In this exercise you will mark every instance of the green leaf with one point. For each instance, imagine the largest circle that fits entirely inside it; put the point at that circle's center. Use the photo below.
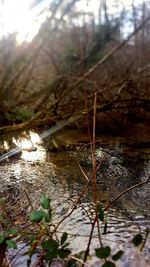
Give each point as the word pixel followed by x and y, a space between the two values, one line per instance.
pixel 71 263
pixel 137 240
pixel 11 243
pixel 2 238
pixel 105 228
pixel 64 238
pixel 50 245
pixel 65 245
pixel 47 217
pixel 50 255
pixel 37 216
pixel 102 252
pixel 51 248
pixel 45 202
pixel 118 255
pixel 108 264
pixel 12 232
pixel 100 212
pixel 63 253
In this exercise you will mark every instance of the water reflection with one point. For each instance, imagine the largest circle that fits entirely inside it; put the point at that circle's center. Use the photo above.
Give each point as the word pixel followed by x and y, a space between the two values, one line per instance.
pixel 6 145
pixel 28 141
pixel 25 143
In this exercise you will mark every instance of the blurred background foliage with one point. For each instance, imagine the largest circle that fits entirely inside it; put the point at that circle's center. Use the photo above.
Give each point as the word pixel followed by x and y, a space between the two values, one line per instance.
pixel 40 64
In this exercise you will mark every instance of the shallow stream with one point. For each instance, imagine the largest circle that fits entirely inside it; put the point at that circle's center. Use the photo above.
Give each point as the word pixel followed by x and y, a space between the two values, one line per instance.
pixel 121 163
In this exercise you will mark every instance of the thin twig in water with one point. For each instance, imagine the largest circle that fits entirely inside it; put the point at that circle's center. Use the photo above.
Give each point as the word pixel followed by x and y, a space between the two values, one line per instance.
pixel 75 206
pixel 28 199
pixel 125 191
pixel 13 258
pixel 89 242
pixel 84 174
pixel 79 260
pixel 94 182
pixel 99 231
pixel 96 237
pixel 145 239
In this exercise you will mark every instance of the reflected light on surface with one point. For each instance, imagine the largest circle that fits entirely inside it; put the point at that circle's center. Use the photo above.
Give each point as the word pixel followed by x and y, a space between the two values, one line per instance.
pixel 31 147
pixel 23 144
pixel 29 142
pixel 16 142
pixel 35 139
pixel 38 155
pixel 6 146
pixel 26 144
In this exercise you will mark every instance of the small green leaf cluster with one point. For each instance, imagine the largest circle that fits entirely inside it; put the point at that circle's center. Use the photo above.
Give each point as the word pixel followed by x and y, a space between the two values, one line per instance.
pixel 51 248
pixel 54 249
pixel 7 238
pixel 45 213
pixel 105 252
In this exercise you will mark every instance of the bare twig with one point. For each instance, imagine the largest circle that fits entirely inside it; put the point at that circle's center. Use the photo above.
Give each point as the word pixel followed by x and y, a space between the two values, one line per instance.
pixel 74 207
pixel 79 260
pixel 14 256
pixel 28 199
pixel 94 185
pixel 125 191
pixel 84 174
pixel 94 150
pixel 89 242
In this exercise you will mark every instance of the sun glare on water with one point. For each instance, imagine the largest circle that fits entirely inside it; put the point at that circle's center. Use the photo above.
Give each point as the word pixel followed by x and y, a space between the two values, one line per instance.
pixel 29 142
pixel 31 149
pixel 24 144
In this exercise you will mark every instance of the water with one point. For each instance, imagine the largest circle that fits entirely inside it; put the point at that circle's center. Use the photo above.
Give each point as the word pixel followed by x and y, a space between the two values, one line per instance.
pixel 59 176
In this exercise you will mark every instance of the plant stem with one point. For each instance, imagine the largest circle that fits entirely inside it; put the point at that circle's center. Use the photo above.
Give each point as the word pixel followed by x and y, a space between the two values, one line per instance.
pixel 89 242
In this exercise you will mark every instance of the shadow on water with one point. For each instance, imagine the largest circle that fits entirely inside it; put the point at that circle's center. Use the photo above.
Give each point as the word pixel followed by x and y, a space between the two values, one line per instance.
pixel 57 173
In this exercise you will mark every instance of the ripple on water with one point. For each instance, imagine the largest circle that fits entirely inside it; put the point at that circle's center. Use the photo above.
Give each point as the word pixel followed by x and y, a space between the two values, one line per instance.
pixel 58 176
